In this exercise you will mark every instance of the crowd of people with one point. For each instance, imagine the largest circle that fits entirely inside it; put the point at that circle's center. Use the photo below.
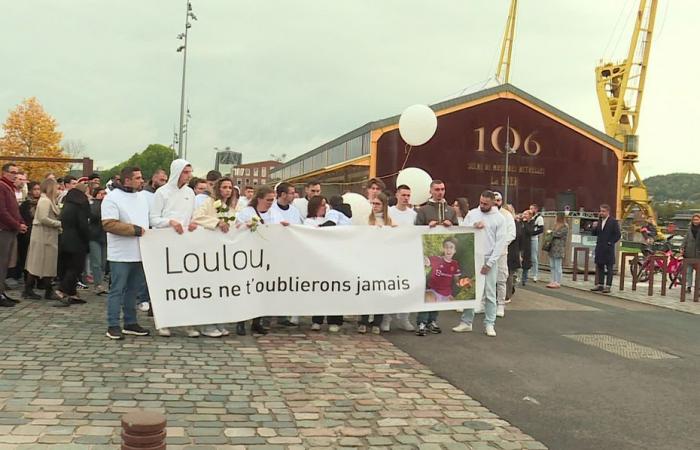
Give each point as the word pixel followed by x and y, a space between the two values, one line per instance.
pixel 62 235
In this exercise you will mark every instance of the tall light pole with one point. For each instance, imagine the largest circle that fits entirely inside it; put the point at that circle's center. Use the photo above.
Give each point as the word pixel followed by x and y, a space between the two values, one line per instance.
pixel 183 48
pixel 508 152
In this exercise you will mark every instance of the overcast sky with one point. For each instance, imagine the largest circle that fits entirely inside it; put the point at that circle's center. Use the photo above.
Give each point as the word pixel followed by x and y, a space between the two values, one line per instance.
pixel 284 76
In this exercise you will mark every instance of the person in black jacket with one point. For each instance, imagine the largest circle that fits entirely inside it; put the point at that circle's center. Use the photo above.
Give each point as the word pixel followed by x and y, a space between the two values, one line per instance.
pixel 514 262
pixel 26 210
pixel 74 242
pixel 608 233
pixel 526 242
pixel 98 241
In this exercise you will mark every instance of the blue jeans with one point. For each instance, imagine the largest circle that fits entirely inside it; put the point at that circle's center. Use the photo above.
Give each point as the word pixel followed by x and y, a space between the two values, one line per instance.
pixel 556 269
pixel 425 317
pixel 98 261
pixel 128 281
pixel 489 300
pixel 535 256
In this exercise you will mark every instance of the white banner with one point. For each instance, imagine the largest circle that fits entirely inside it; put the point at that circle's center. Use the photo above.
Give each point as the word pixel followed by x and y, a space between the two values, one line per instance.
pixel 205 277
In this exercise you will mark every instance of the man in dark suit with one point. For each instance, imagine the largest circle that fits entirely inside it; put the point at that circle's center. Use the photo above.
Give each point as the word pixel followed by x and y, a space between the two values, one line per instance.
pixel 608 233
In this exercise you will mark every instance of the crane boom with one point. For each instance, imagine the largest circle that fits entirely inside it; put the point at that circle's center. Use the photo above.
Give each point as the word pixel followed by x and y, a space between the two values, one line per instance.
pixel 620 88
pixel 503 72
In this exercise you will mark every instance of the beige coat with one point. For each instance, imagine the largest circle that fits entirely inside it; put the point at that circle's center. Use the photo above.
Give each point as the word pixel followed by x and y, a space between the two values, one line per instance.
pixel 207 216
pixel 42 256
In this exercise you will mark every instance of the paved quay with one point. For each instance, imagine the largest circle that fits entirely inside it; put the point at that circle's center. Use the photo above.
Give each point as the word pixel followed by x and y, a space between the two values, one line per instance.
pixel 63 384
pixel 669 301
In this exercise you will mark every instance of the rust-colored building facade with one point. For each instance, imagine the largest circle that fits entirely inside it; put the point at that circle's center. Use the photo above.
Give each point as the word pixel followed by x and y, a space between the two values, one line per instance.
pixel 555 161
pixel 253 174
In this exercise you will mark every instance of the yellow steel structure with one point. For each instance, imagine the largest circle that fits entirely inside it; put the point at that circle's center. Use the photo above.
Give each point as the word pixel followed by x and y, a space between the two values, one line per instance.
pixel 503 71
pixel 620 88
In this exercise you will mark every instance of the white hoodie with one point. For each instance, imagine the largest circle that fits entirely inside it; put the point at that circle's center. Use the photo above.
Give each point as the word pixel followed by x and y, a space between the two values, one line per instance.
pixel 171 202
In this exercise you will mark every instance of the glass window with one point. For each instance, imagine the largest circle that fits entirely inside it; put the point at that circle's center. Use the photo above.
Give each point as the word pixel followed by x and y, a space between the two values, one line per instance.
pixel 255 171
pixel 319 161
pixel 263 171
pixel 247 172
pixel 355 147
pixel 336 154
pixel 365 144
pixel 247 181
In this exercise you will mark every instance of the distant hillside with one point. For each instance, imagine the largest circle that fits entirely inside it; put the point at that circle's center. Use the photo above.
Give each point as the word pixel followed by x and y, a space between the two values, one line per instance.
pixel 674 186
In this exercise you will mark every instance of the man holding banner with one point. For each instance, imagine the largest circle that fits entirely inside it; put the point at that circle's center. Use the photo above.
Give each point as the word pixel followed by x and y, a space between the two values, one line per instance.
pixel 173 206
pixel 490 219
pixel 125 219
pixel 435 212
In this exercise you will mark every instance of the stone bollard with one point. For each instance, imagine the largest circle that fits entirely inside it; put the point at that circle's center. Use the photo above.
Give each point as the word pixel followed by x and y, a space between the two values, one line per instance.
pixel 143 430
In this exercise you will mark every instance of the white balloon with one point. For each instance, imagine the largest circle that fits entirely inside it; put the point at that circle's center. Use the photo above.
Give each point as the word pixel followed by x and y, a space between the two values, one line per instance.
pixel 360 208
pixel 419 181
pixel 417 124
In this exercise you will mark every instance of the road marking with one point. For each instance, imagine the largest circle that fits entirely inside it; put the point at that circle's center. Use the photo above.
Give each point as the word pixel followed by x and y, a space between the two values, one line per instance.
pixel 620 347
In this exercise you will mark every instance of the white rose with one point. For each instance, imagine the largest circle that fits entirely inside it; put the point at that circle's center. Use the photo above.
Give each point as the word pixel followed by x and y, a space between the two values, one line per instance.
pixel 217 204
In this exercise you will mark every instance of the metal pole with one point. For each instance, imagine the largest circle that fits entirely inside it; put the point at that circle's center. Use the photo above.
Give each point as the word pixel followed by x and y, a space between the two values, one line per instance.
pixel 505 188
pixel 182 93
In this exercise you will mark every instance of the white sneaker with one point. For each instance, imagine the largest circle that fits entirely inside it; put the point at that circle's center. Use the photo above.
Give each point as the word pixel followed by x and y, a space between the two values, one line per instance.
pixel 315 327
pixel 191 332
pixel 144 306
pixel 406 325
pixel 223 331
pixel 211 332
pixel 462 328
pixel 501 311
pixel 294 320
pixel 333 328
pixel 165 332
pixel 490 331
pixel 386 323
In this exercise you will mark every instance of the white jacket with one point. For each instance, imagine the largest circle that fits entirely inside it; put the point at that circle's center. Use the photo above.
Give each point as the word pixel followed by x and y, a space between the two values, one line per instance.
pixel 171 202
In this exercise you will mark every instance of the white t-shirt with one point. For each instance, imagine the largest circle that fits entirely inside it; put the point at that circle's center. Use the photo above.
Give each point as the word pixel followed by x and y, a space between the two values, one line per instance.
pixel 338 217
pixel 149 196
pixel 315 221
pixel 127 207
pixel 302 204
pixel 199 200
pixel 269 217
pixel 291 214
pixel 401 218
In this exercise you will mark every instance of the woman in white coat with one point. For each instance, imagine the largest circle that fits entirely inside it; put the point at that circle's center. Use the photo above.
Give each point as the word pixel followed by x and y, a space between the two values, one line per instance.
pixel 218 212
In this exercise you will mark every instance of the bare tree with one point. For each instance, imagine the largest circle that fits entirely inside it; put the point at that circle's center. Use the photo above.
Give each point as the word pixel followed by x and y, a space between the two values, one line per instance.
pixel 75 148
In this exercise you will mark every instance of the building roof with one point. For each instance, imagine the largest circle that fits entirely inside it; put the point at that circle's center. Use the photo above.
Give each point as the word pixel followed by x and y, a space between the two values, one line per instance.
pixel 269 162
pixel 394 120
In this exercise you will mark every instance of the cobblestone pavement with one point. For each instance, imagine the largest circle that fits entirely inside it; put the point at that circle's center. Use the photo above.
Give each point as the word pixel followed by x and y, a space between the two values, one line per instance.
pixel 63 384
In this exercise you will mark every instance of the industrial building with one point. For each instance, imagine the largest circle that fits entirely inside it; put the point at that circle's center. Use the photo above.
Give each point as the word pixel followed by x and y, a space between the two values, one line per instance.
pixel 555 160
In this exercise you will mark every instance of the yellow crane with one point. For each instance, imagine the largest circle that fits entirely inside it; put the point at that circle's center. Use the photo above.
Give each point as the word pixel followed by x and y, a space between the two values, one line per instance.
pixel 620 87
pixel 503 71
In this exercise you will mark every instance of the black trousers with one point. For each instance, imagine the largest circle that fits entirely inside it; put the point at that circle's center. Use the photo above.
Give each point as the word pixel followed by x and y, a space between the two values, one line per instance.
pixel 332 320
pixel 73 266
pixel 376 321
pixel 604 273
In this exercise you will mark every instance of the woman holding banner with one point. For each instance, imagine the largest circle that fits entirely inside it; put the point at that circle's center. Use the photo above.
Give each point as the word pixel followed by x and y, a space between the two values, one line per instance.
pixel 316 217
pixel 259 211
pixel 217 212
pixel 378 217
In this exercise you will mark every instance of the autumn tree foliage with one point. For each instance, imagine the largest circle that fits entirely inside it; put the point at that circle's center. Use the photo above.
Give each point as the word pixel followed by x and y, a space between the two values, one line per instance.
pixel 31 131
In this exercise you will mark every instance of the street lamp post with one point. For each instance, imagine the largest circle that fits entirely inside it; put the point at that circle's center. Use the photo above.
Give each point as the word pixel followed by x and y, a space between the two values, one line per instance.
pixel 509 150
pixel 183 48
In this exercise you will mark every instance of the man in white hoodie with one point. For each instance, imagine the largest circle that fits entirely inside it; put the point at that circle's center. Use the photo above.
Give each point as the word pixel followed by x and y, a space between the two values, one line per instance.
pixel 490 219
pixel 173 205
